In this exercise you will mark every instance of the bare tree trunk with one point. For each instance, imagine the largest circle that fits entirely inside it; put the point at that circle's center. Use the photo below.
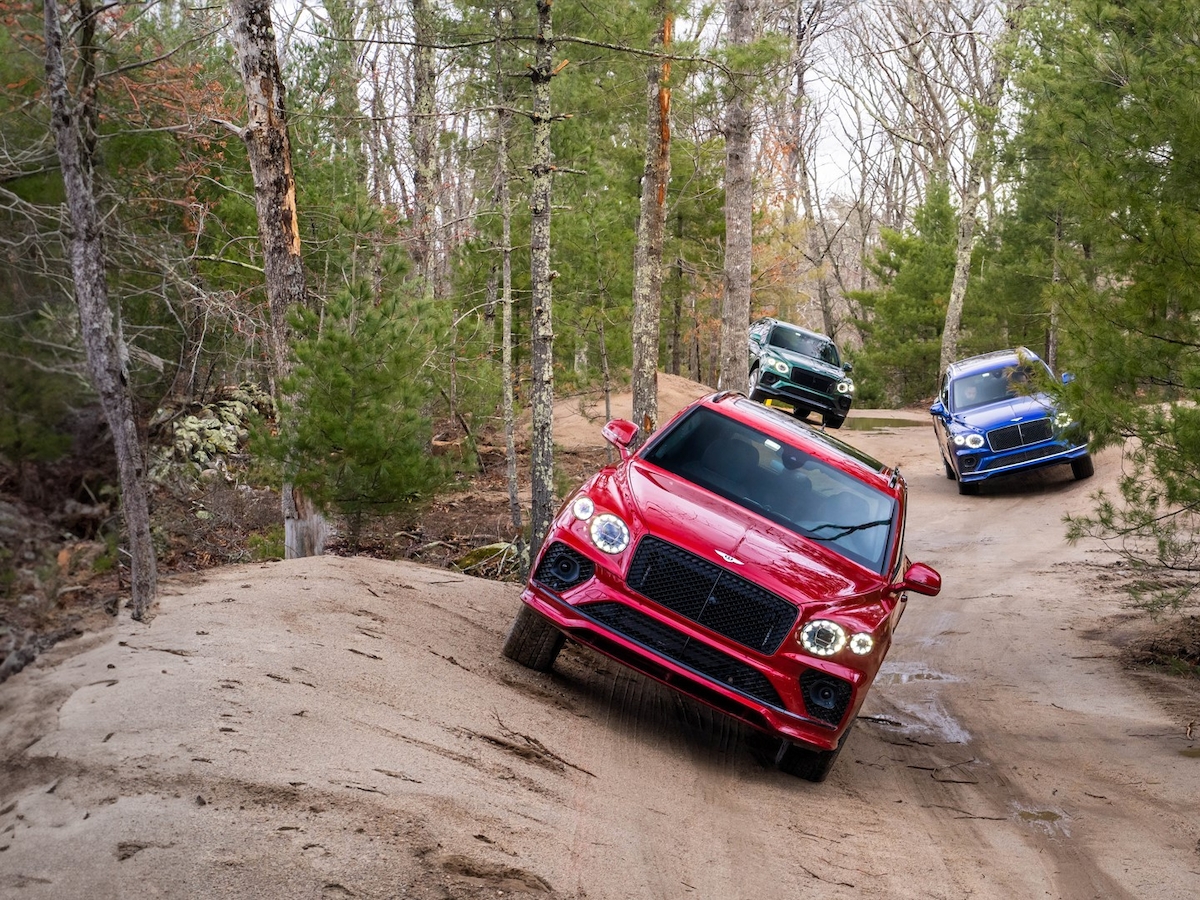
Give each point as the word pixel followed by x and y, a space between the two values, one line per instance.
pixel 424 131
pixel 541 323
pixel 648 254
pixel 981 156
pixel 1055 280
pixel 735 310
pixel 809 18
pixel 107 355
pixel 270 153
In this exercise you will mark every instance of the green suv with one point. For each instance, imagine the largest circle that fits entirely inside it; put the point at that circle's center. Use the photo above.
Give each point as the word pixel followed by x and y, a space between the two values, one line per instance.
pixel 799 368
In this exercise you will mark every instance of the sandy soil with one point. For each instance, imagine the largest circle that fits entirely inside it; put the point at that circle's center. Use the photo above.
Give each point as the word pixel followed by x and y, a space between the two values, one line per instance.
pixel 341 727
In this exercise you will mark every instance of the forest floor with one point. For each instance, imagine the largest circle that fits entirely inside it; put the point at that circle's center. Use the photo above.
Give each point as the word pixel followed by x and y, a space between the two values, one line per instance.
pixel 345 726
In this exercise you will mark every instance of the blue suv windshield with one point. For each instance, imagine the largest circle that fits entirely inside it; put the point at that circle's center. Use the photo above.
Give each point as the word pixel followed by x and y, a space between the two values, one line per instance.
pixel 982 388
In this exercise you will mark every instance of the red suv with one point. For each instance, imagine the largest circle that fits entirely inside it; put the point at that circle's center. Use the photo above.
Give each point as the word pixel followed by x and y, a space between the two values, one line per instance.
pixel 740 557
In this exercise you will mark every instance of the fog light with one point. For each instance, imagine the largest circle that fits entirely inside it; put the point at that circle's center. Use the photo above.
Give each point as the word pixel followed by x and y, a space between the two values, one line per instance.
pixel 565 568
pixel 823 693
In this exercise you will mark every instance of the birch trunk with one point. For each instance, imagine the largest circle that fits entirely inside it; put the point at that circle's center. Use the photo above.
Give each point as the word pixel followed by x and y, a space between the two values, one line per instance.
pixel 648 253
pixel 735 309
pixel 104 343
pixel 424 130
pixel 981 154
pixel 270 154
pixel 541 324
pixel 504 198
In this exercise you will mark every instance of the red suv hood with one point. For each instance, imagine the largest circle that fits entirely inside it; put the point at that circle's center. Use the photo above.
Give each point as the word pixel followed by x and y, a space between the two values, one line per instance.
pixel 770 555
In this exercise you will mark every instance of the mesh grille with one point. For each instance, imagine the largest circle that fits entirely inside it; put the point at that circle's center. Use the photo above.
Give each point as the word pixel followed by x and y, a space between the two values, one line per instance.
pixel 1020 435
pixel 562 568
pixel 803 377
pixel 710 596
pixel 825 697
pixel 1024 456
pixel 679 647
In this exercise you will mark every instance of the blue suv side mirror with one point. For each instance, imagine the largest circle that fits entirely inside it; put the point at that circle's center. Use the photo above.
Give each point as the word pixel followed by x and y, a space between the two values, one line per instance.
pixel 1067 377
pixel 937 409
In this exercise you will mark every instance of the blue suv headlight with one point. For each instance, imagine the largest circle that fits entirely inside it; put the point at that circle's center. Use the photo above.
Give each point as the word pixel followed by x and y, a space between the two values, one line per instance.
pixel 972 440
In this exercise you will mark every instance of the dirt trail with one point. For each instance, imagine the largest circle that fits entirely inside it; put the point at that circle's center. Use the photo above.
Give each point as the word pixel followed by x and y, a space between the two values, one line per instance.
pixel 347 728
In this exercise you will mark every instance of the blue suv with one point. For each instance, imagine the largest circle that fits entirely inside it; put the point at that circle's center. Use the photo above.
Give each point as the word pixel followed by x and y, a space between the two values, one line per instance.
pixel 991 419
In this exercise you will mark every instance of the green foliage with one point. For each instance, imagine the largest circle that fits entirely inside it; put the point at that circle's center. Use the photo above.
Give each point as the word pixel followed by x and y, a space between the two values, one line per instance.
pixel 902 329
pixel 267 546
pixel 354 433
pixel 1113 93
pixel 33 410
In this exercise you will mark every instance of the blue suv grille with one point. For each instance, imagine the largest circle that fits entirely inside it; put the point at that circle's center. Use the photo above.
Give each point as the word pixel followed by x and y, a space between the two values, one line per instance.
pixel 1020 435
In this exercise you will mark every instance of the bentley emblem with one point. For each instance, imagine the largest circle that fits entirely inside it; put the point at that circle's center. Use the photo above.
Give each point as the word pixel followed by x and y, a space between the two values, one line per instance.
pixel 730 559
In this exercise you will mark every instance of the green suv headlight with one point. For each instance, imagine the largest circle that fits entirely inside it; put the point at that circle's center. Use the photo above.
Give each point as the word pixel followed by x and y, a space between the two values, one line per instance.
pixel 779 366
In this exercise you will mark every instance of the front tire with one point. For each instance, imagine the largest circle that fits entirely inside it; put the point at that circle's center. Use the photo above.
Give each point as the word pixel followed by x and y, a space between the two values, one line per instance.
pixel 833 421
pixel 532 641
pixel 811 765
pixel 949 469
pixel 968 488
pixel 1083 467
pixel 755 394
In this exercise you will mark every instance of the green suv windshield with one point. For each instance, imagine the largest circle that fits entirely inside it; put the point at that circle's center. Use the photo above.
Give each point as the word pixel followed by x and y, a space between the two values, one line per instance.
pixel 807 344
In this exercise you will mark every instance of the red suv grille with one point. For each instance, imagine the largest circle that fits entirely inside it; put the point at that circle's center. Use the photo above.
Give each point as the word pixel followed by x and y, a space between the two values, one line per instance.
pixel 711 596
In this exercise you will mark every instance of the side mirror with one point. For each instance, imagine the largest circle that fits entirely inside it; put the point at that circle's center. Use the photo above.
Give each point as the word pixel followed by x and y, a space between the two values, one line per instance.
pixel 848 368
pixel 1067 377
pixel 920 579
pixel 620 433
pixel 938 409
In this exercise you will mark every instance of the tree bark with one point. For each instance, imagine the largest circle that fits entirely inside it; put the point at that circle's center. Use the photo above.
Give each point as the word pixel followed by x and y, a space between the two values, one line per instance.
pixel 270 154
pixel 104 343
pixel 648 253
pixel 541 324
pixel 504 200
pixel 735 309
pixel 981 157
pixel 424 143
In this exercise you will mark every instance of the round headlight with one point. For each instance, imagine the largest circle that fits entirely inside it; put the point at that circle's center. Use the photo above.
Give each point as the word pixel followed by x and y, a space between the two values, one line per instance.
pixel 1062 419
pixel 820 637
pixel 861 644
pixel 959 440
pixel 609 533
pixel 845 387
pixel 779 366
pixel 582 508
pixel 974 441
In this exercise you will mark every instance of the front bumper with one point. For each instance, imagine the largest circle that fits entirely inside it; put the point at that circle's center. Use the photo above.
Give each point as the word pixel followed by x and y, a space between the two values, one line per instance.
pixel 765 692
pixel 980 465
pixel 777 387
